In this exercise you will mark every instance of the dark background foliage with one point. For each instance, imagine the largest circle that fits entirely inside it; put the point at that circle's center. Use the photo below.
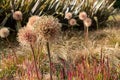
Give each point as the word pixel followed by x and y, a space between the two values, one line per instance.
pixel 117 4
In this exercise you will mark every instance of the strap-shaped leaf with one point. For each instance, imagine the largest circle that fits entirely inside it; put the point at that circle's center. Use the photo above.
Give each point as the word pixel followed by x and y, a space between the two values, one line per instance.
pixel 111 5
pixel 39 5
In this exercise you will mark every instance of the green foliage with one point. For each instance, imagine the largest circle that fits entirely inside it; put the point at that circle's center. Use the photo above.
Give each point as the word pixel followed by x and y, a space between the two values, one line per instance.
pixel 99 77
pixel 99 9
pixel 8 72
pixel 117 4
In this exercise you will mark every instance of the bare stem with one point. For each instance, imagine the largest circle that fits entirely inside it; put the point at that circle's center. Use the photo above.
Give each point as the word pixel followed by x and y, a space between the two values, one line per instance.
pixel 87 34
pixel 18 25
pixel 48 49
pixel 35 63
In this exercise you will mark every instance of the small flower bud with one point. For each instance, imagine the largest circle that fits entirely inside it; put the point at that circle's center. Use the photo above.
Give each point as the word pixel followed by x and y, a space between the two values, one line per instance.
pixel 82 15
pixel 4 32
pixel 17 15
pixel 72 22
pixel 87 22
pixel 68 15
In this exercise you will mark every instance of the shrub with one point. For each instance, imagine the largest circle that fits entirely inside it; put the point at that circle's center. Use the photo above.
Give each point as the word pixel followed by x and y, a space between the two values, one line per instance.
pixel 98 11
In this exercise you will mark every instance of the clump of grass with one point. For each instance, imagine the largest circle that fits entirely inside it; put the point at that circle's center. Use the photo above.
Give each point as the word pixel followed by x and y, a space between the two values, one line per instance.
pixel 8 67
pixel 4 33
pixel 96 70
pixel 95 65
pixel 113 36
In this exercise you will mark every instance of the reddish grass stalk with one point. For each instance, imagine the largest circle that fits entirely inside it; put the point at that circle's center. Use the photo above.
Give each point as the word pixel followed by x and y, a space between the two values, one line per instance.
pixel 61 74
pixel 50 67
pixel 108 66
pixel 102 64
pixel 70 75
pixel 100 70
pixel 35 62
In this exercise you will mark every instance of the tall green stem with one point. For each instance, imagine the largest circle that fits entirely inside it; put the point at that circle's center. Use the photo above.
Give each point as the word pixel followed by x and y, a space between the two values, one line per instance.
pixel 87 29
pixel 85 32
pixel 35 63
pixel 48 49
pixel 18 25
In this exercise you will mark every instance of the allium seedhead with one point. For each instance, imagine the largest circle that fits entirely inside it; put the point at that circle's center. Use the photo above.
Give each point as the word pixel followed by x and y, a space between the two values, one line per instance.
pixel 87 22
pixel 72 22
pixel 4 32
pixel 82 15
pixel 68 15
pixel 26 36
pixel 48 27
pixel 32 20
pixel 17 15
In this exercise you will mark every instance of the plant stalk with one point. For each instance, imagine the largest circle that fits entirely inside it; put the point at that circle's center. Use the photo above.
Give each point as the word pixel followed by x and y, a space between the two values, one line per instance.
pixel 50 68
pixel 86 32
pixel 35 63
pixel 18 25
pixel 87 29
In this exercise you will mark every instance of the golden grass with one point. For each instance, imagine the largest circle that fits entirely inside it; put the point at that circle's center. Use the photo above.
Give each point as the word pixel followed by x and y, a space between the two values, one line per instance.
pixel 73 45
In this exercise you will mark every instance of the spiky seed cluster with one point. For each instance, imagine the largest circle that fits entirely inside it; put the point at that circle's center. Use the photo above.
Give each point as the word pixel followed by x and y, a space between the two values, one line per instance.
pixel 4 32
pixel 17 15
pixel 68 15
pixel 82 15
pixel 87 22
pixel 32 20
pixel 48 27
pixel 72 22
pixel 26 36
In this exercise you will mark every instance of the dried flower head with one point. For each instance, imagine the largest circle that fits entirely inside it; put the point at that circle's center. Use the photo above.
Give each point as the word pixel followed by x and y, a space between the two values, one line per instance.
pixel 82 15
pixel 68 15
pixel 32 20
pixel 48 27
pixel 72 22
pixel 17 15
pixel 26 36
pixel 87 22
pixel 4 32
